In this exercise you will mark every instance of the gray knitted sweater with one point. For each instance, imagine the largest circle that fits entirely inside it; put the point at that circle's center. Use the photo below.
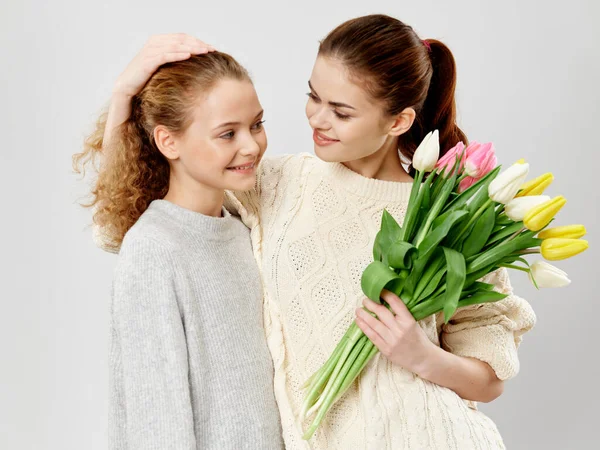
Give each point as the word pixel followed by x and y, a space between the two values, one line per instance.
pixel 189 364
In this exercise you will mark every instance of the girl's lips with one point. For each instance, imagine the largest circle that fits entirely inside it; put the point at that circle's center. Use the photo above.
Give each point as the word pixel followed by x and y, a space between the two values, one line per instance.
pixel 247 169
pixel 322 140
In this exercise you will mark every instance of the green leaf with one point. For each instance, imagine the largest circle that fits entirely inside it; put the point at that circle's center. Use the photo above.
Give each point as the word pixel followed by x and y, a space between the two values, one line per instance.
pixel 400 255
pixel 504 232
pixel 414 203
pixel 432 285
pixel 480 233
pixel 435 265
pixel 389 233
pixel 436 236
pixel 482 297
pixel 438 183
pixel 476 287
pixel 455 280
pixel 465 196
pixel 375 278
pixel 438 204
pixel 428 307
pixel 495 254
pixel 503 219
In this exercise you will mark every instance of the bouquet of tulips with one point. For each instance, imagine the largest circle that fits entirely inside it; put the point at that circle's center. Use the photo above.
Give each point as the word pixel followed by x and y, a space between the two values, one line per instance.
pixel 464 220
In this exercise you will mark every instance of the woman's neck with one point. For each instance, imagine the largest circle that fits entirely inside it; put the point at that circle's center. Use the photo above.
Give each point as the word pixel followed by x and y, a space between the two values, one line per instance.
pixel 195 196
pixel 383 165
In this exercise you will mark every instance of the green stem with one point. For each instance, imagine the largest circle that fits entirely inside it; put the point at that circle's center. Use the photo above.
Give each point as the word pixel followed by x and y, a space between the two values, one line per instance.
pixel 367 352
pixel 530 251
pixel 513 266
pixel 334 385
pixel 516 233
pixel 412 210
pixel 354 337
pixel 321 377
pixel 335 353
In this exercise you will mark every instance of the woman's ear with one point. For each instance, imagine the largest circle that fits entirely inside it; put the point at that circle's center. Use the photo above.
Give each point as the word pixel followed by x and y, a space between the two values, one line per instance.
pixel 402 122
pixel 165 142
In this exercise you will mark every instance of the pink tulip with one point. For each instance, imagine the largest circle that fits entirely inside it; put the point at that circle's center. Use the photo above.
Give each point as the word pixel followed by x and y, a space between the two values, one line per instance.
pixel 449 159
pixel 466 183
pixel 481 159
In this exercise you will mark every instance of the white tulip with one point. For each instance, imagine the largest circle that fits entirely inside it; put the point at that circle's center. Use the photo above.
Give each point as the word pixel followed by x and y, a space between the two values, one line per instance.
pixel 518 207
pixel 427 153
pixel 548 276
pixel 506 185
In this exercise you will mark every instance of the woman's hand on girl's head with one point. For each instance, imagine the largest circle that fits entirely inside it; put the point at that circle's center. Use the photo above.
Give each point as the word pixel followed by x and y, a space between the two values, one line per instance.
pixel 158 50
pixel 395 333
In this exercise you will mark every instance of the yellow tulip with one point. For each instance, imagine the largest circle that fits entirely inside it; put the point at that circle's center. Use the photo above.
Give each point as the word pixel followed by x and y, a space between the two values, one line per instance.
pixel 554 249
pixel 567 231
pixel 536 186
pixel 540 216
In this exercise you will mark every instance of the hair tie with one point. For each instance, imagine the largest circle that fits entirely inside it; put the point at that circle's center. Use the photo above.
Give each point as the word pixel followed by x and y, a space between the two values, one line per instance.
pixel 426 44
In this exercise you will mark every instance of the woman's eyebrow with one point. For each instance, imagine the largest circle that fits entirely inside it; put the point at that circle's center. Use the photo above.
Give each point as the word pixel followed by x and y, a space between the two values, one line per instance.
pixel 336 104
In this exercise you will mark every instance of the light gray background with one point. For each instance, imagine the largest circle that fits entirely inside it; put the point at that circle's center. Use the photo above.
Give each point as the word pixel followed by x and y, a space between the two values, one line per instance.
pixel 528 74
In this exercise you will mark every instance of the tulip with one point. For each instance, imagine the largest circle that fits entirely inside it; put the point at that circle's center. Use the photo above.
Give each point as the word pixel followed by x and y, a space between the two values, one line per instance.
pixel 555 249
pixel 518 207
pixel 427 153
pixel 548 276
pixel 449 159
pixel 536 186
pixel 567 231
pixel 481 159
pixel 541 215
pixel 504 187
pixel 466 183
pixel 521 161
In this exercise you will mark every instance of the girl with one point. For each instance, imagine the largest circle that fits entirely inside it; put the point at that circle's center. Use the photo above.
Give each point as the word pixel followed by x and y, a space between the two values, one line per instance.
pixel 376 89
pixel 189 364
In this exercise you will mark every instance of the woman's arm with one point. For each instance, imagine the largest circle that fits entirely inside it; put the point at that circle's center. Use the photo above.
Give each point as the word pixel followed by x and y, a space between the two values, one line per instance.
pixel 400 339
pixel 158 50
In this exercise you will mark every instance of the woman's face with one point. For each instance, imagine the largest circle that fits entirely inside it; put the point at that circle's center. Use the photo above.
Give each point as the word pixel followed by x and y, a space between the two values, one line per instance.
pixel 347 124
pixel 225 141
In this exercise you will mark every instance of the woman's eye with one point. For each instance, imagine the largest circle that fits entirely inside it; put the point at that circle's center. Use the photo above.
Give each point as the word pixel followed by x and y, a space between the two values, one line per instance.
pixel 227 135
pixel 258 125
pixel 341 116
pixel 312 96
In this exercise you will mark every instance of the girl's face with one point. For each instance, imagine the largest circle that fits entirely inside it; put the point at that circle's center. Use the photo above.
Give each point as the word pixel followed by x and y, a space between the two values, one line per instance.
pixel 347 124
pixel 225 141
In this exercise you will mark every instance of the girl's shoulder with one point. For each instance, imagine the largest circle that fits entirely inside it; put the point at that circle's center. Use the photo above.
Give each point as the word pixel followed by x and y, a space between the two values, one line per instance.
pixel 151 234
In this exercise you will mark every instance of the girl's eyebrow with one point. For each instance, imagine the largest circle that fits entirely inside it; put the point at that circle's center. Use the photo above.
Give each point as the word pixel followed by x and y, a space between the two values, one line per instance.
pixel 229 124
pixel 336 104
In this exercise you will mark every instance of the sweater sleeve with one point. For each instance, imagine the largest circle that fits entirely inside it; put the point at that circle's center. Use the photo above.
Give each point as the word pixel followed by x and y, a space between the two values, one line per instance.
pixel 151 369
pixel 277 176
pixel 491 332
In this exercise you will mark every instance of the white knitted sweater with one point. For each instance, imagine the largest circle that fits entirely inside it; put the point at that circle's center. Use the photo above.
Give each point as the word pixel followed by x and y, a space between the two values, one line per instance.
pixel 312 227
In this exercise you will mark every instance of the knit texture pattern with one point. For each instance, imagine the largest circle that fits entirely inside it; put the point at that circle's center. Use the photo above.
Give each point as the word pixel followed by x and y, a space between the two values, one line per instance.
pixel 312 226
pixel 189 366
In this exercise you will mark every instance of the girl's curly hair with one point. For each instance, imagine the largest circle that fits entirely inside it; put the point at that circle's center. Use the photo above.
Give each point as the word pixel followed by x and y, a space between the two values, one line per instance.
pixel 133 172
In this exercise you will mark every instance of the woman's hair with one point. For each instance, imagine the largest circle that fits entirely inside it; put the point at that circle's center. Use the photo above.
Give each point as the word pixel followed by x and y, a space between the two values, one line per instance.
pixel 133 171
pixel 388 59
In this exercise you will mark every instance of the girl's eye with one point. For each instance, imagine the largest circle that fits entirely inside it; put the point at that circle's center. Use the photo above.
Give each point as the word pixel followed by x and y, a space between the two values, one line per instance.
pixel 228 135
pixel 258 125
pixel 341 116
pixel 312 96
